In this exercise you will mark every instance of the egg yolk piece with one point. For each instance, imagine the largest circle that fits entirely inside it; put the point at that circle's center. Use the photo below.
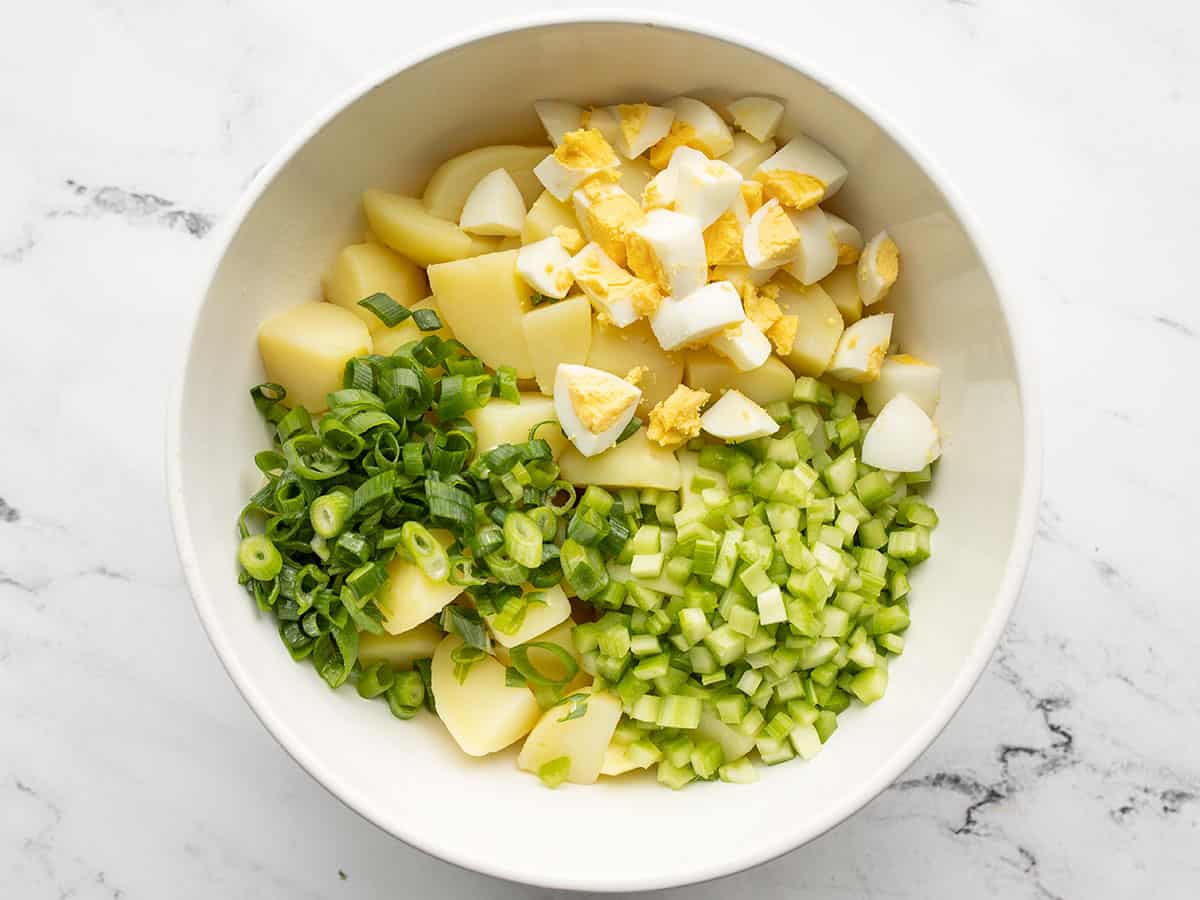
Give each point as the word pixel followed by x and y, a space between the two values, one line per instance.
pixel 599 398
pixel 794 190
pixel 680 135
pixel 777 236
pixel 584 149
pixel 723 241
pixel 676 420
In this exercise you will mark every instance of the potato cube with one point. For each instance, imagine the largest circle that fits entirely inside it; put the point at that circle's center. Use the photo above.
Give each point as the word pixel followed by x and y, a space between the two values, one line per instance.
pixel 503 422
pixel 407 227
pixel 768 383
pixel 305 349
pixel 583 740
pixel 389 339
pixel 481 712
pixel 558 333
pixel 361 270
pixel 546 214
pixel 819 329
pixel 618 350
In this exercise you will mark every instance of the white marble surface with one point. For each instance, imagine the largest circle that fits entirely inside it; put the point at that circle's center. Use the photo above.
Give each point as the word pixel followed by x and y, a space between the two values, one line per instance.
pixel 129 766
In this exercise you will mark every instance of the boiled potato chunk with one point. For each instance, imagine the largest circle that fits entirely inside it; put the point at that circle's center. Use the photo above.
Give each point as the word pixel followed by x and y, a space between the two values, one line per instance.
pixel 399 650
pixel 410 597
pixel 819 330
pixel 558 333
pixel 842 287
pixel 618 350
pixel 482 300
pixel 504 422
pixel 548 663
pixel 389 339
pixel 546 214
pixel 407 227
pixel 361 270
pixel 635 462
pixel 305 348
pixel 616 760
pixel 583 740
pixel 733 743
pixel 481 713
pixel 448 189
pixel 768 383
pixel 539 618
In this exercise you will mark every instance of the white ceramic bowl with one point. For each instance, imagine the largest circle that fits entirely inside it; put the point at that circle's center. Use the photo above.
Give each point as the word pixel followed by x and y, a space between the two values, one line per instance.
pixel 409 778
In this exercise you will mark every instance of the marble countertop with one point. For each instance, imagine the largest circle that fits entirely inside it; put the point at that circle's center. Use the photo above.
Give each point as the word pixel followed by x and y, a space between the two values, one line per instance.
pixel 129 766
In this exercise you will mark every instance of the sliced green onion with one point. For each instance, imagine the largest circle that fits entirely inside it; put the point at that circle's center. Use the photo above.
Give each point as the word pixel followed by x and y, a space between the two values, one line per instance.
pixel 522 663
pixel 555 772
pixel 523 540
pixel 387 310
pixel 259 557
pixel 425 550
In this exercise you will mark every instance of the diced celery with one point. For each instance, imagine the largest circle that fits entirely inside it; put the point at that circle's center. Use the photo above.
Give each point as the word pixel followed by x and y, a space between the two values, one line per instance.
pixel 652 667
pixel 826 724
pixel 869 684
pixel 837 701
pixel 821 651
pixel 694 625
pixel 839 475
pixel 554 772
pixel 646 565
pixel 585 637
pixel 783 451
pixel 726 644
pixel 667 506
pixel 809 390
pixel 783 517
pixel 727 557
pixel 889 619
pixel 755 579
pixel 752 723
pixel 678 711
pixel 646 708
pixel 740 771
pixel 892 643
pixel 612 668
pixel 780 725
pixel 744 621
pixel 922 477
pixel 675 777
pixel 766 479
pixel 731 707
pixel 702 661
pixel 670 683
pixel 773 751
pixel 849 601
pixel 630 689
pixel 707 758
pixel 806 740
pixel 749 682
pixel 643 754
pixel 642 645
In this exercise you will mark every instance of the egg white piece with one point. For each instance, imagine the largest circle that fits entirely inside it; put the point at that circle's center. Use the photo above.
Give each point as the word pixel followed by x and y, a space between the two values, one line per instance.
pixel 635 175
pixel 902 438
pixel 848 238
pixel 578 392
pixel 582 202
pixel 698 316
pixel 546 267
pixel 704 188
pixel 861 349
pixel 918 380
pixel 818 247
pixel 709 127
pixel 744 345
pixel 636 138
pixel 748 154
pixel 735 417
pixel 606 296
pixel 494 207
pixel 757 116
pixel 878 268
pixel 804 155
pixel 558 117
pixel 740 275
pixel 560 179
pixel 605 121
pixel 752 245
pixel 676 242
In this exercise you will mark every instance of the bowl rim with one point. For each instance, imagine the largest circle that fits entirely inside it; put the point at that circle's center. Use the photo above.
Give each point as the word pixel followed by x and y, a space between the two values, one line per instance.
pixel 986 642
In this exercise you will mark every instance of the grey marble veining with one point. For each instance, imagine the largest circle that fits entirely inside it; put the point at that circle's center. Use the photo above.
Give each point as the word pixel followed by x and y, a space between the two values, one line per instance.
pixel 130 768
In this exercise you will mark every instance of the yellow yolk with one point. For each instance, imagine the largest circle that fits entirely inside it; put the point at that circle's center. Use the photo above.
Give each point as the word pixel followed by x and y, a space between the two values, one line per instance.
pixel 761 309
pixel 572 241
pixel 783 333
pixel 645 262
pixel 777 236
pixel 847 254
pixel 752 194
pixel 653 198
pixel 792 189
pixel 611 286
pixel 585 148
pixel 887 262
pixel 909 360
pixel 599 399
pixel 633 119
pixel 645 297
pixel 680 135
pixel 610 213
pixel 723 241
pixel 637 375
pixel 677 419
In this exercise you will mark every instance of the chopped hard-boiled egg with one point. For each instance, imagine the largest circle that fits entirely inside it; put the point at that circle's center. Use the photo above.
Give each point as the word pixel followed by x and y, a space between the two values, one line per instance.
pixel 605 213
pixel 757 116
pixel 861 349
pixel 621 297
pixel 635 175
pixel 770 239
pixel 579 156
pixel 667 249
pixel 571 239
pixel 709 130
pixel 558 117
pixel 593 406
pixel 698 316
pixel 902 438
pixel 743 275
pixel 604 120
pixel 676 419
pixel 641 127
pixel 748 154
pixel 735 417
pixel 494 206
pixel 804 156
pixel 761 304
pixel 878 268
pixel 904 374
pixel 849 239
pixel 723 238
pixel 782 333
pixel 546 267
pixel 818 250
pixel 704 188
pixel 745 345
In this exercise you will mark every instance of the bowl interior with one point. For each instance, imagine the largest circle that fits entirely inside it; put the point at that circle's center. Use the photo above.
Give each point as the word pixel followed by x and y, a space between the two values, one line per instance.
pixel 409 777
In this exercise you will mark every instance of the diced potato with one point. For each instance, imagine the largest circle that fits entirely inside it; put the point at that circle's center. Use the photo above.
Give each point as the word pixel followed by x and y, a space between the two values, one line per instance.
pixel 842 287
pixel 447 191
pixel 305 348
pixel 733 743
pixel 547 662
pixel 768 383
pixel 407 227
pixel 361 270
pixel 410 597
pixel 635 462
pixel 481 713
pixel 616 760
pixel 389 339
pixel 546 214
pixel 399 650
pixel 819 329
pixel 510 243
pixel 539 618
pixel 618 350
pixel 583 740
pixel 482 300
pixel 558 333
pixel 503 422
